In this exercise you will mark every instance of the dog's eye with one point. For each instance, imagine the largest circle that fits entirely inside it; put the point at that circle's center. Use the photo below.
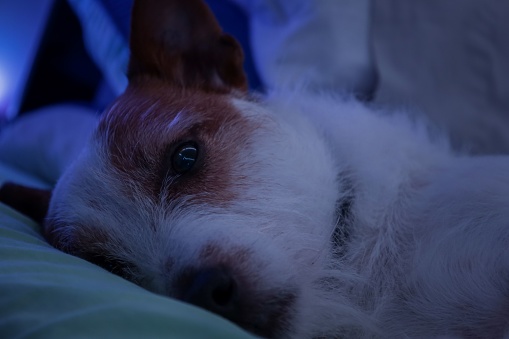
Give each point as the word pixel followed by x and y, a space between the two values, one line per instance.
pixel 184 157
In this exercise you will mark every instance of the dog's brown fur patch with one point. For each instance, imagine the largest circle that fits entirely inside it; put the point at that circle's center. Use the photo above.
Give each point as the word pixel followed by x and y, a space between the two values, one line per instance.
pixel 147 123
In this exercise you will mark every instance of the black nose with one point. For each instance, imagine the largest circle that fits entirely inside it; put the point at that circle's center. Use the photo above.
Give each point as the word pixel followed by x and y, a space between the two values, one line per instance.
pixel 213 289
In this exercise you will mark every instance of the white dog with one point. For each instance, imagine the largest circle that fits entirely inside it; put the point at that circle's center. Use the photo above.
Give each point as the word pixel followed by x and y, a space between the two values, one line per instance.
pixel 295 216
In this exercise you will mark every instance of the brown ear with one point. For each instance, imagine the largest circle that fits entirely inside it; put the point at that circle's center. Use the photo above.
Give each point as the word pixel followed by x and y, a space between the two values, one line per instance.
pixel 181 42
pixel 32 202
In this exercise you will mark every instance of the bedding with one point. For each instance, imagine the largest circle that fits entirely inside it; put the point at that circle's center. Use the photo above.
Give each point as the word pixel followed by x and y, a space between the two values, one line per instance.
pixel 45 293
pixel 448 59
pixel 45 141
pixel 445 60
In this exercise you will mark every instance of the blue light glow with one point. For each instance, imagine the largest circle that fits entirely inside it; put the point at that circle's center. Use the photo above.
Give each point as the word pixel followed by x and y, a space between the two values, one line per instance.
pixel 22 24
pixel 4 96
pixel 3 85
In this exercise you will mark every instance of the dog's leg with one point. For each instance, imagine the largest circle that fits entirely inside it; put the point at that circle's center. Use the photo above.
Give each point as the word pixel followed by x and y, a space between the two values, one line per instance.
pixel 32 202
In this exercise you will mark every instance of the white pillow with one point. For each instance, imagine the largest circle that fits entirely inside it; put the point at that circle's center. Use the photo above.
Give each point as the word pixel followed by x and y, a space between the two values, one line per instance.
pixel 44 142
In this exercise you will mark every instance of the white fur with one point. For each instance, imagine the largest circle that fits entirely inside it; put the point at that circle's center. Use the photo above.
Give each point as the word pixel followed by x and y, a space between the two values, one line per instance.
pixel 426 256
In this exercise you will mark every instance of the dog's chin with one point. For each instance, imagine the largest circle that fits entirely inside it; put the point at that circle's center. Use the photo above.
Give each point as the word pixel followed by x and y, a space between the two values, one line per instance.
pixel 269 313
pixel 235 283
pixel 230 283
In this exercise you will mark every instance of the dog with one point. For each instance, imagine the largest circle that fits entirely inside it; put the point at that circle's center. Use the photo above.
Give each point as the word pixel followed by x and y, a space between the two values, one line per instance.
pixel 293 215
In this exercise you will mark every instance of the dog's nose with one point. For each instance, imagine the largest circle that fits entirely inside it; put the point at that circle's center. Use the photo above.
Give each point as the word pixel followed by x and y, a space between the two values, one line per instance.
pixel 214 289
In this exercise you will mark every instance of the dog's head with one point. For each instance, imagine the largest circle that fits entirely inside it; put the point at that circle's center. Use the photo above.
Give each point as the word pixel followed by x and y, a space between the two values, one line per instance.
pixel 194 190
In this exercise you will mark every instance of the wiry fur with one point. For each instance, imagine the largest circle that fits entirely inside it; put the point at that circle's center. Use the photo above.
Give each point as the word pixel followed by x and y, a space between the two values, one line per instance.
pixel 335 220
pixel 426 250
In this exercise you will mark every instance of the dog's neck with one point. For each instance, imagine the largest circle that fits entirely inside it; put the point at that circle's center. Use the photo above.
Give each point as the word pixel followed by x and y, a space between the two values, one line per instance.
pixel 378 179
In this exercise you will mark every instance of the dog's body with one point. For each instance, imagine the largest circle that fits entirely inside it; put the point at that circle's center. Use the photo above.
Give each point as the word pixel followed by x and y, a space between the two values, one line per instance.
pixel 299 216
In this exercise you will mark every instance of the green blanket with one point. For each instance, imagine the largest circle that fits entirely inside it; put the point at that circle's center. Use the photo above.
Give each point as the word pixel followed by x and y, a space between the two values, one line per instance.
pixel 45 293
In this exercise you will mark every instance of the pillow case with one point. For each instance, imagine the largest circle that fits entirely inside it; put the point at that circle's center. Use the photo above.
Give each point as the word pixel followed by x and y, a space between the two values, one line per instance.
pixel 45 141
pixel 448 60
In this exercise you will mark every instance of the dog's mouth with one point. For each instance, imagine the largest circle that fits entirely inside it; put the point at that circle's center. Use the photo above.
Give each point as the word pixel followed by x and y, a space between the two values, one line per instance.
pixel 267 313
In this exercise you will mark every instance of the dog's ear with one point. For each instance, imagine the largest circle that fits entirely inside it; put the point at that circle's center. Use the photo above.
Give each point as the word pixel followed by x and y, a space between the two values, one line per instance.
pixel 32 202
pixel 181 42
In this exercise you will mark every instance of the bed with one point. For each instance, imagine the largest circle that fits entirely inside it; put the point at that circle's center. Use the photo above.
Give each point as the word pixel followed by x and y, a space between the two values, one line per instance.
pixel 47 294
